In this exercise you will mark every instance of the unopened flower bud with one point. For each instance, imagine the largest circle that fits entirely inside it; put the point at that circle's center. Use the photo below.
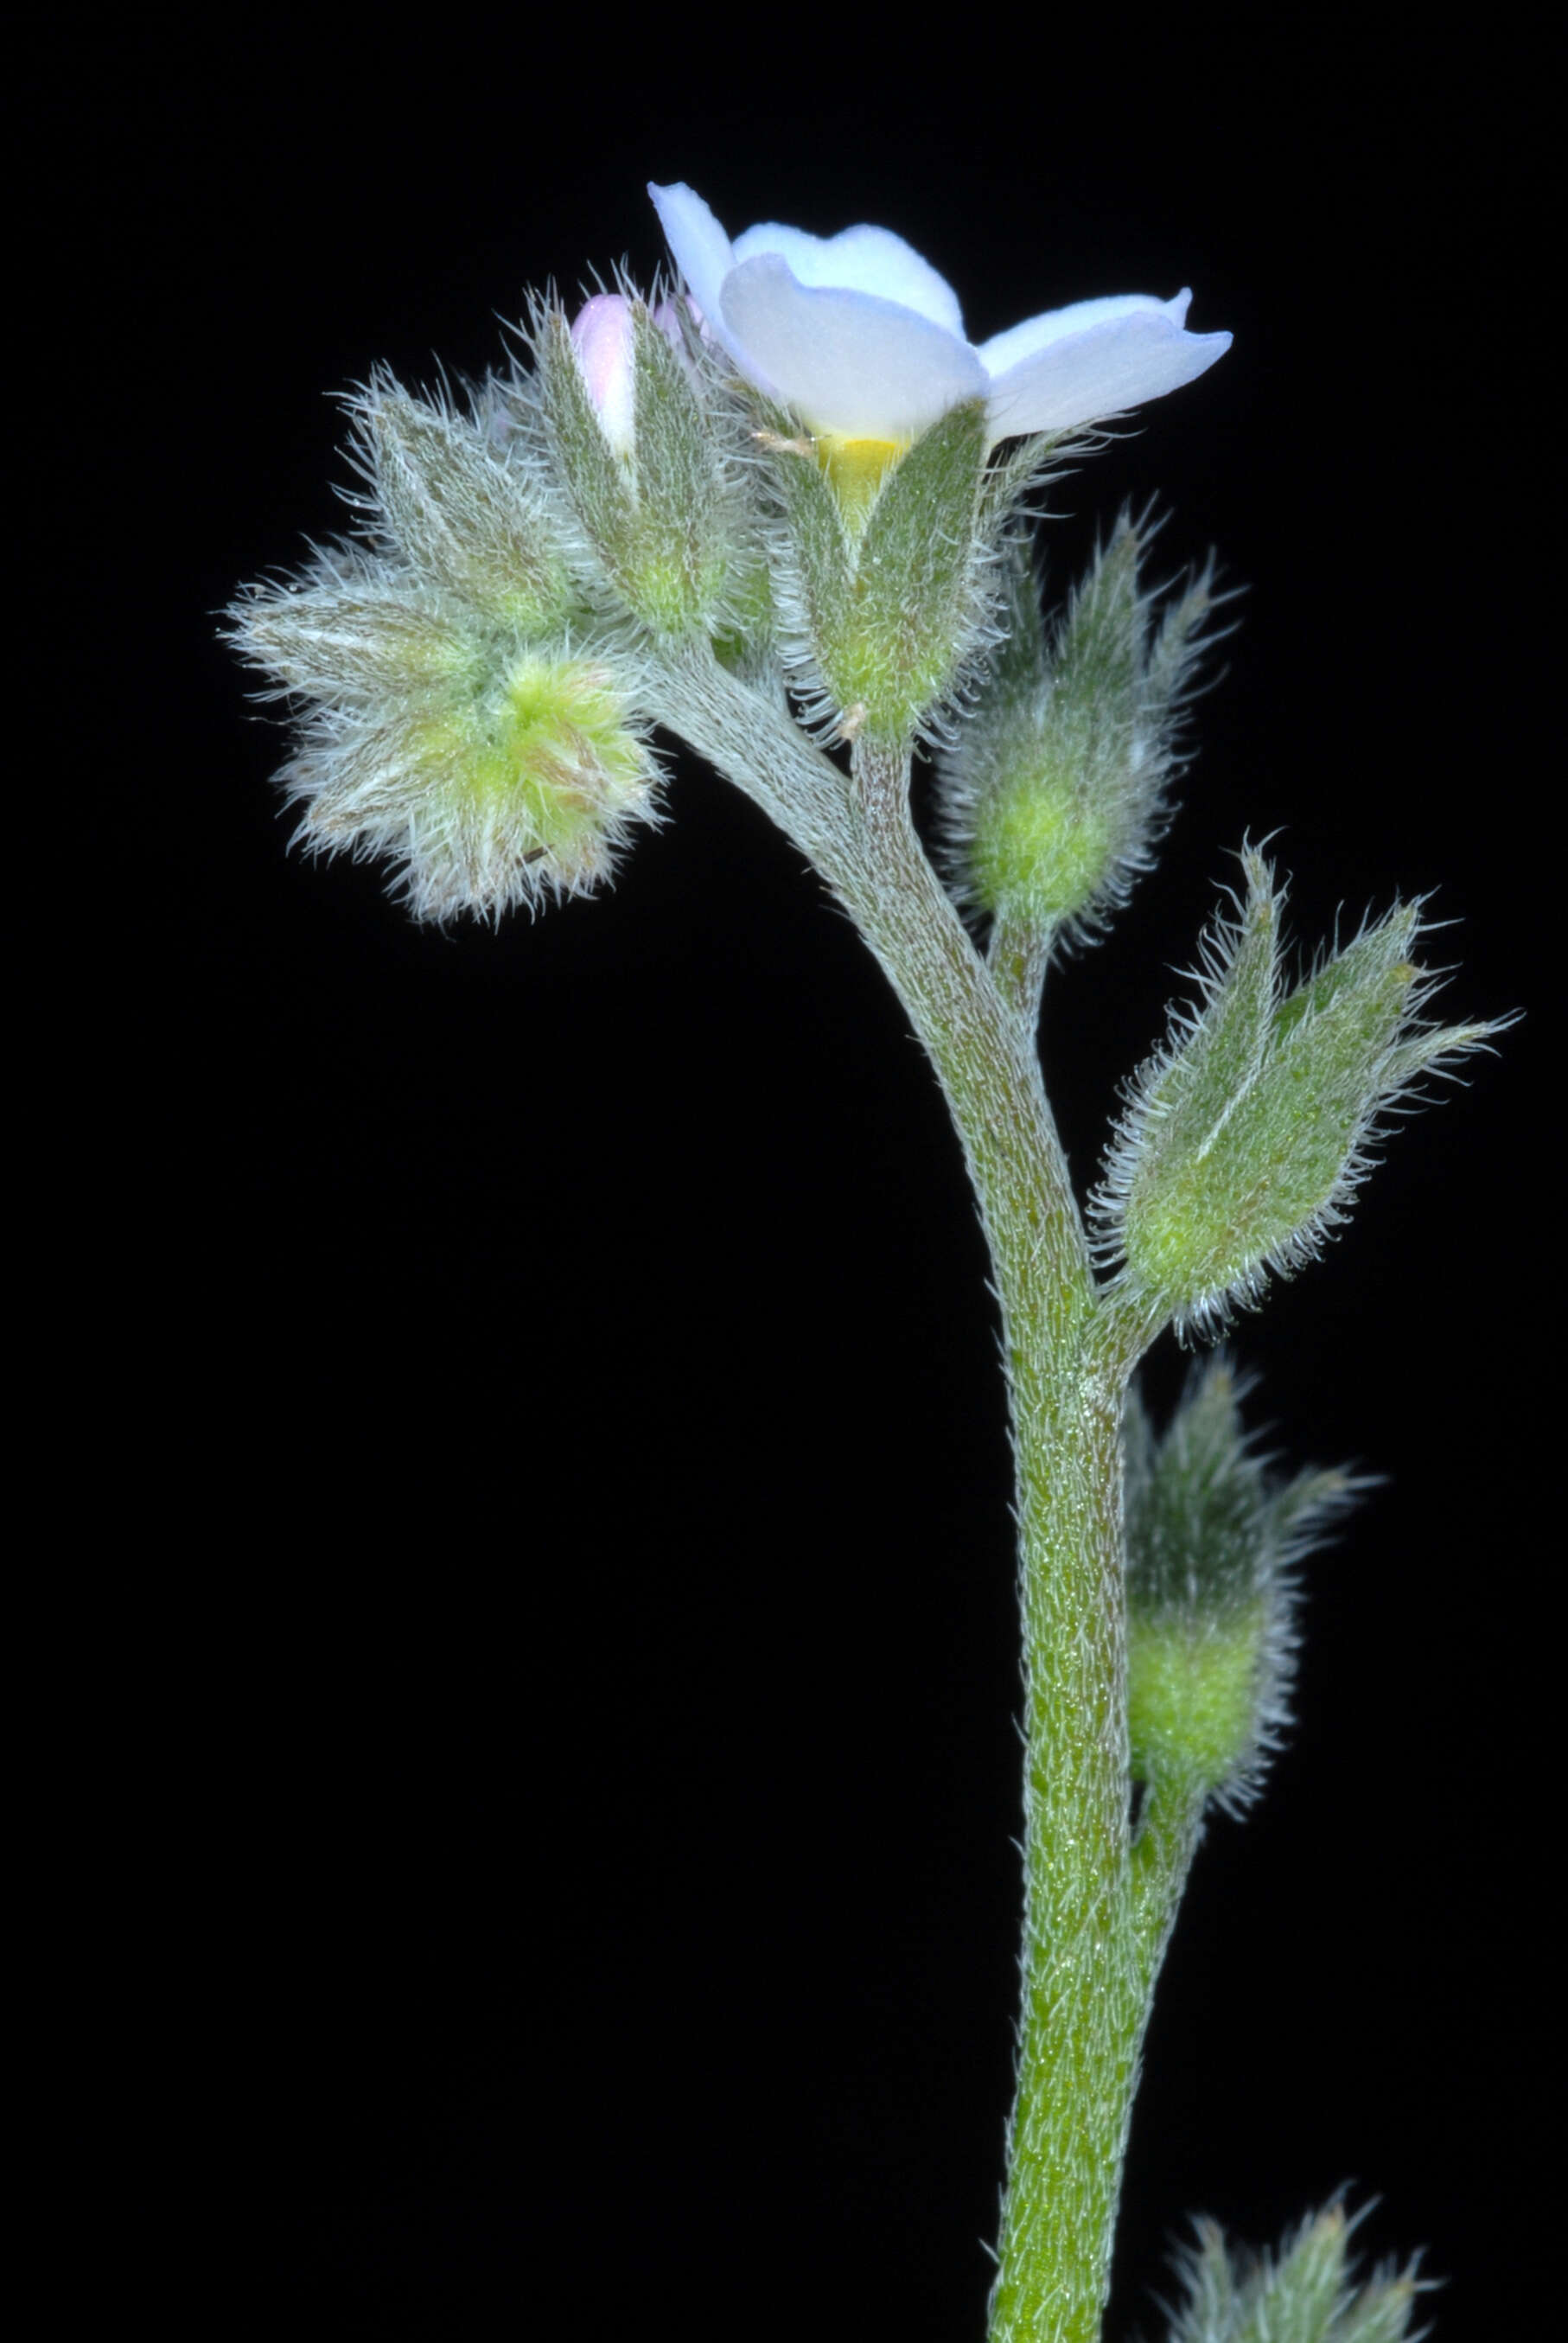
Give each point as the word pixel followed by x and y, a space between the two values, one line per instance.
pixel 674 319
pixel 360 633
pixel 465 512
pixel 492 772
pixel 602 335
pixel 640 468
pixel 1306 2292
pixel 1054 786
pixel 1246 1137
pixel 1212 1540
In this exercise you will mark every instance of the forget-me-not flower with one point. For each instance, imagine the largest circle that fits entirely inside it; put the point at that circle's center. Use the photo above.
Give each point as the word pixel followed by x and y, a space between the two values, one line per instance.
pixel 864 341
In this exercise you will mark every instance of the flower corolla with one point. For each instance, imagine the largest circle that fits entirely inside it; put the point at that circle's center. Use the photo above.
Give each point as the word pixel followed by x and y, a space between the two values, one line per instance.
pixel 861 338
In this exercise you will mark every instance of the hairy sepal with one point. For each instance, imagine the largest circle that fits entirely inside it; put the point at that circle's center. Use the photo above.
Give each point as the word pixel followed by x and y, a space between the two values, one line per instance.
pixel 484 801
pixel 1054 789
pixel 1307 2292
pixel 492 771
pixel 463 510
pixel 1214 1542
pixel 663 521
pixel 354 631
pixel 886 600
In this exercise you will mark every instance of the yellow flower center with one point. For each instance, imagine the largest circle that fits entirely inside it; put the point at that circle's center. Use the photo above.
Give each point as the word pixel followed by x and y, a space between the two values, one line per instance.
pixel 855 467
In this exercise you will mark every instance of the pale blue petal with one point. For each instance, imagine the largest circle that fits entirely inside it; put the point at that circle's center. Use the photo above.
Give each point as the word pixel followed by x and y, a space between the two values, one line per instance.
pixel 860 260
pixel 848 362
pixel 701 249
pixel 1102 369
pixel 1005 351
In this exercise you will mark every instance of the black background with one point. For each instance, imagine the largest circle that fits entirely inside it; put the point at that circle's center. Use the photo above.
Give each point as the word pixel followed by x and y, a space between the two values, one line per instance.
pixel 537 1508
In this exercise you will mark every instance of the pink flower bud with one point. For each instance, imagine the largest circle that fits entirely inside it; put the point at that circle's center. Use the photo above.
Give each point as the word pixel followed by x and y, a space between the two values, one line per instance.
pixel 602 337
pixel 666 318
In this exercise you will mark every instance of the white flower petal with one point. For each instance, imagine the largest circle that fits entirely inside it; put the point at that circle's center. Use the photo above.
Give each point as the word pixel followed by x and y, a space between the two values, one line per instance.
pixel 861 336
pixel 1101 369
pixel 860 260
pixel 1005 351
pixel 848 362
pixel 701 249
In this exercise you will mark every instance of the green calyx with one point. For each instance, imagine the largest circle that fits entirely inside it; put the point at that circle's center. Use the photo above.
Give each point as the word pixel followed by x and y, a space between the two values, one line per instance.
pixel 1053 789
pixel 1247 1136
pixel 1192 1688
pixel 509 795
pixel 496 775
pixel 662 519
pixel 360 633
pixel 887 561
pixel 466 514
pixel 1041 842
pixel 1307 2292
pixel 1212 1538
pixel 549 752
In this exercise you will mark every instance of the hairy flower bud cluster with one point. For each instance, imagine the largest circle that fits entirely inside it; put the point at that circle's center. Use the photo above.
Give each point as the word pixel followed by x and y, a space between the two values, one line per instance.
pixel 1213 1542
pixel 1307 2293
pixel 452 718
pixel 1054 787
pixel 1245 1137
pixel 786 461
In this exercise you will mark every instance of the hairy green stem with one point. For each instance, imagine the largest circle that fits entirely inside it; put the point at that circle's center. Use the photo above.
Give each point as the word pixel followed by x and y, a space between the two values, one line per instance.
pixel 1087 1970
pixel 1018 958
pixel 1168 1833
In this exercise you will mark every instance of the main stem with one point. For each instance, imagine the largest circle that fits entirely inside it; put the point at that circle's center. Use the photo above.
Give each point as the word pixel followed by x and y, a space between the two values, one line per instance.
pixel 1083 2005
pixel 1089 1926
